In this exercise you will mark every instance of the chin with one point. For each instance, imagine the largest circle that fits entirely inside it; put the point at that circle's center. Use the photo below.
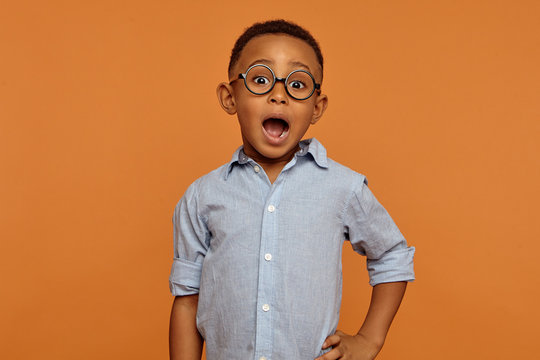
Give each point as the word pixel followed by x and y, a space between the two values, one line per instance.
pixel 276 152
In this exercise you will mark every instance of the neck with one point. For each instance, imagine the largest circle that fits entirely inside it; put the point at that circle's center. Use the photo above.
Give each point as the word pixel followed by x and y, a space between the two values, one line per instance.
pixel 272 167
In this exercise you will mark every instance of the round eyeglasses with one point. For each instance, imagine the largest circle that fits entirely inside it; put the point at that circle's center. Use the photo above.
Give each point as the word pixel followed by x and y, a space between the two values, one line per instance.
pixel 260 79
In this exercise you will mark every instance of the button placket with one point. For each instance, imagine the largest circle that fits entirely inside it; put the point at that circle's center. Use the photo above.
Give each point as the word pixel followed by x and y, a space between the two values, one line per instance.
pixel 266 290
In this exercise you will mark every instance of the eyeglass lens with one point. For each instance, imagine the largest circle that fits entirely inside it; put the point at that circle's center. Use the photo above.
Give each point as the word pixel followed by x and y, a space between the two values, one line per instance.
pixel 260 80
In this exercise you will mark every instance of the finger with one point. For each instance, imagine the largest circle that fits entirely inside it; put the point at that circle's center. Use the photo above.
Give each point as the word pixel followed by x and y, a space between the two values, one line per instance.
pixel 331 355
pixel 331 341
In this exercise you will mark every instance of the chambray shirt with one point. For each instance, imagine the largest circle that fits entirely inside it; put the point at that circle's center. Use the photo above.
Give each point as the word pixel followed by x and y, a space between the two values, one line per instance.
pixel 265 258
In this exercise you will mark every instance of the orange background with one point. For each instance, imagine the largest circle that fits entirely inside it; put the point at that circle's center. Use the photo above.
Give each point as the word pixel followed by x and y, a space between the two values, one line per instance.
pixel 108 112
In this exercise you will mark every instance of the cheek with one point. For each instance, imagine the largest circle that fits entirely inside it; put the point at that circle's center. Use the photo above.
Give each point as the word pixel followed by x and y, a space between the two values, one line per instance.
pixel 248 115
pixel 245 118
pixel 247 107
pixel 304 112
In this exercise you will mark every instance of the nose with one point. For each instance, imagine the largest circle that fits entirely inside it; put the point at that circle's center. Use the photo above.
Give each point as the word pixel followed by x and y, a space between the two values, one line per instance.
pixel 278 95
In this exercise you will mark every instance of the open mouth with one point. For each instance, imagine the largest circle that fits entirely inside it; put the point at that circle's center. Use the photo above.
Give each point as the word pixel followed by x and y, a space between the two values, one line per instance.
pixel 276 127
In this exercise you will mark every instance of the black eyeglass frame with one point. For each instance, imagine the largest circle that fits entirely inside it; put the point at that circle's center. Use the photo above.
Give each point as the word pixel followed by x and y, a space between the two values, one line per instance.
pixel 277 79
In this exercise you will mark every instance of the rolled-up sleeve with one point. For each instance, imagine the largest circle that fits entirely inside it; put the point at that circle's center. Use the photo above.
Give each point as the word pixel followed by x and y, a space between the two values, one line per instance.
pixel 191 241
pixel 373 233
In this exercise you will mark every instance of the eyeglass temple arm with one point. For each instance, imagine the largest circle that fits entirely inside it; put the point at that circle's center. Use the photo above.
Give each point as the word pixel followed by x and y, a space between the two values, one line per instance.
pixel 240 77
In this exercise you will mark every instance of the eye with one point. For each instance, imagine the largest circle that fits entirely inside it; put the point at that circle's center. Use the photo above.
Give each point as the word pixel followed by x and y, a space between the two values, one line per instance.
pixel 296 84
pixel 261 80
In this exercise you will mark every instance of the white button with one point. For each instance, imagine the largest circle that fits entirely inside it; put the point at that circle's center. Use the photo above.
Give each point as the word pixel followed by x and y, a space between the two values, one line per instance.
pixel 271 208
pixel 256 168
pixel 268 257
pixel 266 307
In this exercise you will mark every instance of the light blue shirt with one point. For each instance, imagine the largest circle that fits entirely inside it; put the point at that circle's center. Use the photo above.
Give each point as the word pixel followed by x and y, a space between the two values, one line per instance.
pixel 266 258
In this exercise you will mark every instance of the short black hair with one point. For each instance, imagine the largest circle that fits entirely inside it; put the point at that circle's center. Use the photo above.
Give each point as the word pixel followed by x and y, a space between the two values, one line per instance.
pixel 278 26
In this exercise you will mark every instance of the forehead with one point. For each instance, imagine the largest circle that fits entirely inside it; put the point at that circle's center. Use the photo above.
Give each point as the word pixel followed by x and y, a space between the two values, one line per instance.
pixel 281 52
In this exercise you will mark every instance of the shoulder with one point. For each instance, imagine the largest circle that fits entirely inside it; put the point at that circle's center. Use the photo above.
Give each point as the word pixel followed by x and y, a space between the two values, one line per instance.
pixel 335 172
pixel 339 182
pixel 209 180
pixel 203 184
pixel 345 174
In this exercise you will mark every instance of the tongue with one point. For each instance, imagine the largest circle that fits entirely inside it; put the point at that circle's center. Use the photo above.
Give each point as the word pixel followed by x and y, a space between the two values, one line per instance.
pixel 274 127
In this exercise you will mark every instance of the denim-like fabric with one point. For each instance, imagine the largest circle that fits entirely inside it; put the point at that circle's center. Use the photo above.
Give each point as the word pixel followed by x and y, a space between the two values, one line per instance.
pixel 266 258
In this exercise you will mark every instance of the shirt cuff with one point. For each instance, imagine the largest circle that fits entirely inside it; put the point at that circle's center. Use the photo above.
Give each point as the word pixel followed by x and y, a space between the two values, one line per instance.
pixel 394 265
pixel 185 277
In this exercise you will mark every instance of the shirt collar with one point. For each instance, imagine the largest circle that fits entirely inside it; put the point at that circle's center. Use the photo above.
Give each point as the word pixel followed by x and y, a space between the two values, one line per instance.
pixel 314 147
pixel 309 146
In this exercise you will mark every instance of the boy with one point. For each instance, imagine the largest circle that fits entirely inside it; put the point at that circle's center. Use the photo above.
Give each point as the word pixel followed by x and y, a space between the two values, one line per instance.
pixel 257 252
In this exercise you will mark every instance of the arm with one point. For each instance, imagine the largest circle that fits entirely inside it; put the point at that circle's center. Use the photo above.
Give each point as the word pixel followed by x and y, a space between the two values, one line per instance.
pixel 366 344
pixel 185 342
pixel 373 233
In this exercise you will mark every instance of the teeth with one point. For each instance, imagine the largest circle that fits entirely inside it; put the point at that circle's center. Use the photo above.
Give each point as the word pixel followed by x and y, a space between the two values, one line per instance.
pixel 284 133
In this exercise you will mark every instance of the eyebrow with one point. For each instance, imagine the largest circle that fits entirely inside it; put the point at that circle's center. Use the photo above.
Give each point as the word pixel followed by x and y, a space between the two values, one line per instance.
pixel 260 61
pixel 300 64
pixel 296 64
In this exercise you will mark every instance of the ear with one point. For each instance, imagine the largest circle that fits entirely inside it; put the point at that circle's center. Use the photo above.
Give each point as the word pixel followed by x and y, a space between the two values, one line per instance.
pixel 225 94
pixel 321 103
